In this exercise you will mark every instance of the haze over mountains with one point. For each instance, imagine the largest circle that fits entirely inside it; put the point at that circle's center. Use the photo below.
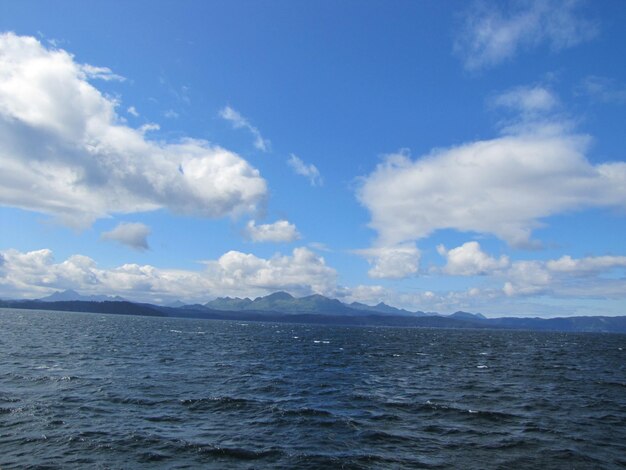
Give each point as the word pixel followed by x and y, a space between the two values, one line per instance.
pixel 70 294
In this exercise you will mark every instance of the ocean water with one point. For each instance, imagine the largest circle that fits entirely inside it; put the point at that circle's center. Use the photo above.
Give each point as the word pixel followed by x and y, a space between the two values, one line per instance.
pixel 105 391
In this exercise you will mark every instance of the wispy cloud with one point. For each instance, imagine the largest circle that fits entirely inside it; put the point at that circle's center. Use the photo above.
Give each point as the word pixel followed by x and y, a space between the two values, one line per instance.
pixel 240 122
pixel 493 32
pixel 132 234
pixel 604 90
pixel 527 99
pixel 100 73
pixel 309 171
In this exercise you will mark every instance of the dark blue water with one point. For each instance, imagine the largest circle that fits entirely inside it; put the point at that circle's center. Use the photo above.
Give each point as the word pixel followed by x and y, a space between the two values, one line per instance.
pixel 105 391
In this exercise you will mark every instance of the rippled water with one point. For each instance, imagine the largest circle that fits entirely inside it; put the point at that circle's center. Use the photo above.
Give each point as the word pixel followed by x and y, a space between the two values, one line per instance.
pixel 105 391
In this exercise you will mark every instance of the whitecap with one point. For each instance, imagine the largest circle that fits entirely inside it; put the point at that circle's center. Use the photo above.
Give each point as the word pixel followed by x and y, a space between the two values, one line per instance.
pixel 482 366
pixel 176 331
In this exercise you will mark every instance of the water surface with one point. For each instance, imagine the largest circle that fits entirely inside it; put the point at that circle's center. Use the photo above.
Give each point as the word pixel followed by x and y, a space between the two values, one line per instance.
pixel 107 391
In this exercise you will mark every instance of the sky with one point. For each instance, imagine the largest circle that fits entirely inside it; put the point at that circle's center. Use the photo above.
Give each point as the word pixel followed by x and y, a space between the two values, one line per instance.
pixel 435 156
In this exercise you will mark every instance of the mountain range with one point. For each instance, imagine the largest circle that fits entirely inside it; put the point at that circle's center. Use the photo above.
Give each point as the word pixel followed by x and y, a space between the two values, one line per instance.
pixel 284 302
pixel 317 309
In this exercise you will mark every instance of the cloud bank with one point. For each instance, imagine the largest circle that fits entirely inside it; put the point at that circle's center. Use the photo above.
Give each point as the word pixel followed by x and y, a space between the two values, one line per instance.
pixel 64 151
pixel 35 273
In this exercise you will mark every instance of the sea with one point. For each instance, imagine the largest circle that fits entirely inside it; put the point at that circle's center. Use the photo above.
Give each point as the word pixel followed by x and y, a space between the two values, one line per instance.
pixel 85 390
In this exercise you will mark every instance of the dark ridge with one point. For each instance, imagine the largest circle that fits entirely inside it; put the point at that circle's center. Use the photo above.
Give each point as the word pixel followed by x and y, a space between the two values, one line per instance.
pixel 120 308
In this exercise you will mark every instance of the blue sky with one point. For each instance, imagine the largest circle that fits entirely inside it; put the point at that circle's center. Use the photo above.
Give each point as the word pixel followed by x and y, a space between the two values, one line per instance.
pixel 432 155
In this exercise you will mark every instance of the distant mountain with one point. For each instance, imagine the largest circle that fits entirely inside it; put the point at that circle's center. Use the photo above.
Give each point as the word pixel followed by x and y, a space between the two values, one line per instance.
pixel 581 324
pixel 467 316
pixel 282 302
pixel 228 303
pixel 72 295
pixel 383 308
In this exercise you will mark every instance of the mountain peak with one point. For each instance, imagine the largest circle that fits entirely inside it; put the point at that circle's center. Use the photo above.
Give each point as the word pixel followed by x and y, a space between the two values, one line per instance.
pixel 468 316
pixel 281 295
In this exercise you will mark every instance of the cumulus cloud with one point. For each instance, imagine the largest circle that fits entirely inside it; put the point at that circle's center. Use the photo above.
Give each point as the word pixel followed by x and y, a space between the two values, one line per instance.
pixel 493 32
pixel 503 186
pixel 36 273
pixel 132 234
pixel 240 122
pixel 309 171
pixel 392 262
pixel 469 260
pixel 280 231
pixel 64 150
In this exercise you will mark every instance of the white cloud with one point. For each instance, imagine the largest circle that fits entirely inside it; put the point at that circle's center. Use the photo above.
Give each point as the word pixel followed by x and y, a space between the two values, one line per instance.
pixel 280 231
pixel 100 73
pixel 64 151
pixel 584 266
pixel 240 122
pixel 308 171
pixel 469 260
pixel 132 111
pixel 496 31
pixel 567 276
pixel 132 234
pixel 503 186
pixel 527 99
pixel 392 262
pixel 36 273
